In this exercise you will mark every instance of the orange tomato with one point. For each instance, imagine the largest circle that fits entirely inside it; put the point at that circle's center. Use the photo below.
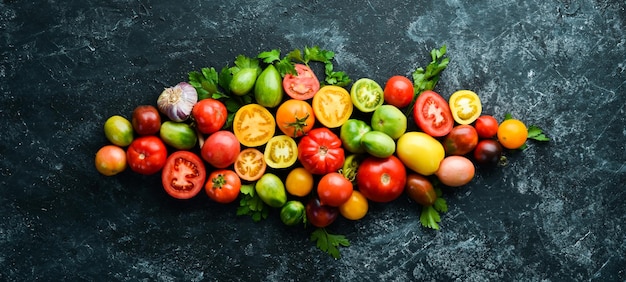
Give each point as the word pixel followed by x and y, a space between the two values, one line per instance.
pixel 355 207
pixel 512 133
pixel 110 160
pixel 299 182
pixel 295 117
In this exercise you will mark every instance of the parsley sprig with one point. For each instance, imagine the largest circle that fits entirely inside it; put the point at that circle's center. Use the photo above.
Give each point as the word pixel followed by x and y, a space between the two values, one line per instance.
pixel 426 79
pixel 326 57
pixel 329 243
pixel 429 216
pixel 251 204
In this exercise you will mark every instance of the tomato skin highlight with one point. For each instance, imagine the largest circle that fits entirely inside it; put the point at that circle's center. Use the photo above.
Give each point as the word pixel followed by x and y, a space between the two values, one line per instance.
pixel 223 186
pixel 334 189
pixel 420 189
pixel 381 179
pixel 320 151
pixel 302 86
pixel 183 175
pixel 209 115
pixel 146 155
pixel 432 114
pixel 399 91
pixel 221 149
pixel 110 160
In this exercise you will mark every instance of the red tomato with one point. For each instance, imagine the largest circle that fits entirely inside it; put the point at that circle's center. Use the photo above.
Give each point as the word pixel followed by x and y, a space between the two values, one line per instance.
pixel 320 151
pixel 183 175
pixel 432 114
pixel 146 120
pixel 399 91
pixel 334 189
pixel 302 86
pixel 146 155
pixel 209 115
pixel 221 149
pixel 381 180
pixel 223 186
pixel 110 160
pixel 486 126
pixel 461 140
pixel 320 215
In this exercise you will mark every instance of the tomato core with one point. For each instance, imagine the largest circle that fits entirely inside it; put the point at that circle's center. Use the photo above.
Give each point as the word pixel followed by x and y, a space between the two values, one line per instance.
pixel 385 178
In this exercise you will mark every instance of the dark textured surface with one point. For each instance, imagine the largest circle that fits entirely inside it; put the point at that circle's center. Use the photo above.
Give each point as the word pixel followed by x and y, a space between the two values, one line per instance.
pixel 556 213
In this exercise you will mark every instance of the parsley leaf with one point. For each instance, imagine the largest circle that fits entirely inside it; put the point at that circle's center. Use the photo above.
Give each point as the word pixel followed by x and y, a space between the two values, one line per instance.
pixel 329 242
pixel 251 204
pixel 536 133
pixel 429 216
pixel 426 79
pixel 205 82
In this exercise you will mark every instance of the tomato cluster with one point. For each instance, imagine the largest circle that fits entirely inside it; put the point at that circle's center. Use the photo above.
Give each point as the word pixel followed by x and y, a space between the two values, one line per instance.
pixel 312 155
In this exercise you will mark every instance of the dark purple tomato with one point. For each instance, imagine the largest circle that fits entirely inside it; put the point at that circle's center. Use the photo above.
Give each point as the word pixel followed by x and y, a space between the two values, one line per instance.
pixel 488 152
pixel 461 140
pixel 320 215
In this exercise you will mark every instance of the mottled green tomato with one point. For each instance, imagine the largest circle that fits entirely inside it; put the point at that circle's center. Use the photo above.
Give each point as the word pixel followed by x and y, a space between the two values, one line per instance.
pixel 118 131
pixel 178 135
pixel 243 81
pixel 292 213
pixel 351 133
pixel 271 190
pixel 378 144
pixel 390 120
pixel 268 90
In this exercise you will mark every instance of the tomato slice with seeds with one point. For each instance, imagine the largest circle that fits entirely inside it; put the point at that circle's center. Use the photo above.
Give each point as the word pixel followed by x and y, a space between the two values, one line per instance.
pixel 432 114
pixel 183 175
pixel 465 106
pixel 367 95
pixel 332 106
pixel 250 164
pixel 302 86
pixel 253 125
pixel 281 152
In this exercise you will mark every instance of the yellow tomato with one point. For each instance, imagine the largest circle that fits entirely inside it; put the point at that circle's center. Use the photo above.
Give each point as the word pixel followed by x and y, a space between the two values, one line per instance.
pixel 253 125
pixel 332 106
pixel 465 106
pixel 281 152
pixel 512 133
pixel 356 207
pixel 299 182
pixel 420 152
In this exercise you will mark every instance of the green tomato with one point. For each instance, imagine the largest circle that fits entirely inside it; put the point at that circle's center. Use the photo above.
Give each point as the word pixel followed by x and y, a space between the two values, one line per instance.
pixel 378 144
pixel 243 81
pixel 390 120
pixel 268 90
pixel 292 213
pixel 178 135
pixel 367 95
pixel 351 133
pixel 420 152
pixel 119 131
pixel 271 190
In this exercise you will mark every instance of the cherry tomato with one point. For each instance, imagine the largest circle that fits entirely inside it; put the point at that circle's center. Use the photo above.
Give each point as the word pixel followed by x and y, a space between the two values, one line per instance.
pixel 281 152
pixel 299 182
pixel 183 175
pixel 355 207
pixel 209 115
pixel 221 149
pixel 381 180
pixel 399 91
pixel 465 106
pixel 146 120
pixel 461 140
pixel 332 106
pixel 253 125
pixel 512 133
pixel 488 152
pixel 302 86
pixel 146 155
pixel 250 164
pixel 292 213
pixel 320 215
pixel 486 126
pixel 320 151
pixel 420 189
pixel 455 171
pixel 295 118
pixel 110 160
pixel 223 186
pixel 334 189
pixel 367 95
pixel 432 114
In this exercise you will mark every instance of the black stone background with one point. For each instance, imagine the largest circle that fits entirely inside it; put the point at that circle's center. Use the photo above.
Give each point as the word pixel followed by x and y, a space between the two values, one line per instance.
pixel 555 213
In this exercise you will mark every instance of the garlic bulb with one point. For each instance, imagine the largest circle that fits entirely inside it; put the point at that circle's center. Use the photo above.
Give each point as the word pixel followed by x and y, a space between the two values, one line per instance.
pixel 178 101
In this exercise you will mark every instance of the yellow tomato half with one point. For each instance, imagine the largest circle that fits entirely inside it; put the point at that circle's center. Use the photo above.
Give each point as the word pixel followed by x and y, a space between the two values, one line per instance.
pixel 465 106
pixel 332 106
pixel 281 152
pixel 253 125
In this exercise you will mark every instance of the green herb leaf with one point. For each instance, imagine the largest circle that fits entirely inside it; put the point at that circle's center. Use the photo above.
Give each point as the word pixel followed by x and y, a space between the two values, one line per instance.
pixel 507 116
pixel 426 79
pixel 329 243
pixel 251 204
pixel 295 55
pixel 335 78
pixel 269 57
pixel 317 54
pixel 536 133
pixel 285 66
pixel 429 217
pixel 243 62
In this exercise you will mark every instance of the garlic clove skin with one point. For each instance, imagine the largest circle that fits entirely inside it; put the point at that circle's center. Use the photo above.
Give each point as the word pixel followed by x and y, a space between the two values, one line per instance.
pixel 178 101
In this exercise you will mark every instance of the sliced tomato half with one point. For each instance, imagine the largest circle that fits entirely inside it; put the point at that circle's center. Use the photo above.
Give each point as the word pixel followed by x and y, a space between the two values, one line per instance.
pixel 432 114
pixel 302 86
pixel 183 175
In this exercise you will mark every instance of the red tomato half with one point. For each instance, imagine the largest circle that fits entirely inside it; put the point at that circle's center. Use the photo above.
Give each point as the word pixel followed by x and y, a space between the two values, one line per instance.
pixel 183 175
pixel 399 91
pixel 146 155
pixel 320 151
pixel 381 180
pixel 302 86
pixel 432 114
